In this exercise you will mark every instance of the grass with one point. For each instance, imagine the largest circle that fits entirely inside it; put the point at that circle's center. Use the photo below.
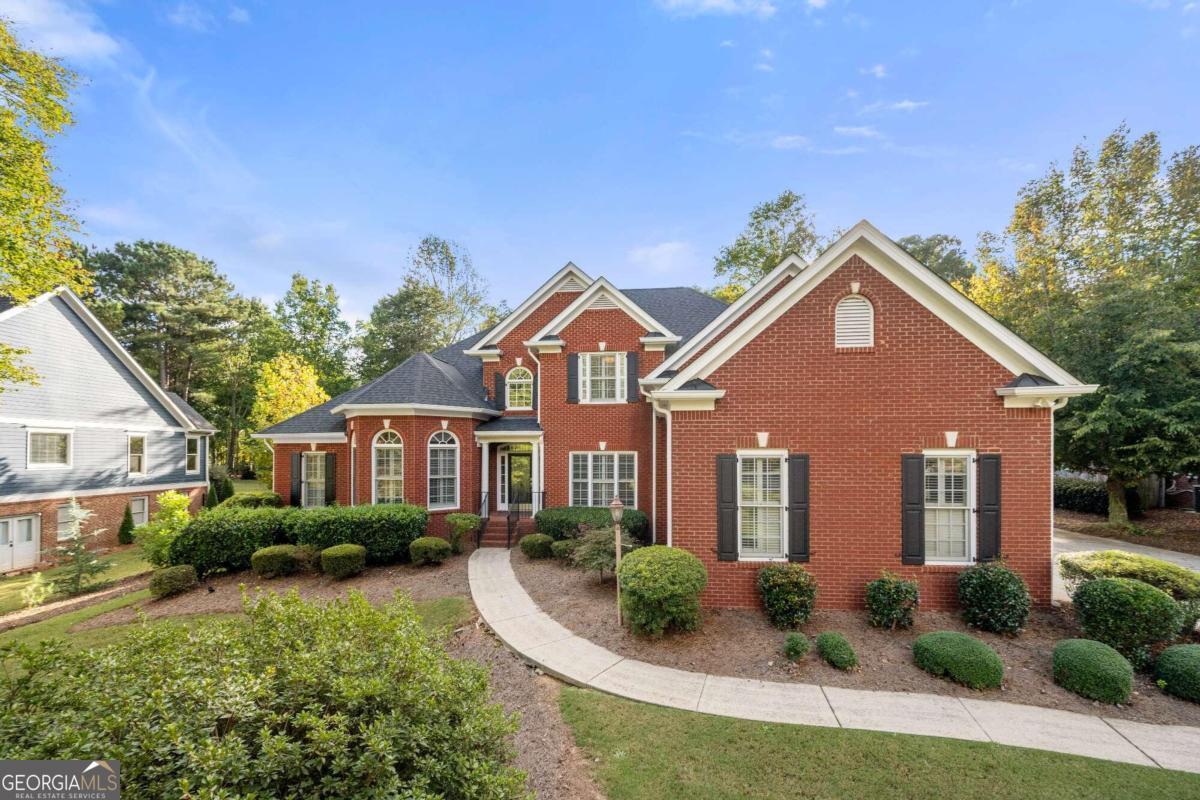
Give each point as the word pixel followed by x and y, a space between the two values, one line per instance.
pixel 125 563
pixel 244 487
pixel 643 751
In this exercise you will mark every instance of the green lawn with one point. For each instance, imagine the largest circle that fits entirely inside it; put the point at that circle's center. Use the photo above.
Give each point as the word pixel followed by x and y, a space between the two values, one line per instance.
pixel 643 751
pixel 242 487
pixel 125 563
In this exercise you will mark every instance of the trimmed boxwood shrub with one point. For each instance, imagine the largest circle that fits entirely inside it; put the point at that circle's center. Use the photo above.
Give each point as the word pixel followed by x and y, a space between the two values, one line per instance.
pixel 343 560
pixel 892 601
pixel 1093 670
pixel 836 650
pixel 960 657
pixel 1179 582
pixel 385 530
pixel 564 548
pixel 993 598
pixel 172 580
pixel 536 545
pixel 276 560
pixel 429 550
pixel 660 589
pixel 1178 671
pixel 795 646
pixel 252 500
pixel 1091 497
pixel 562 522
pixel 460 525
pixel 1128 615
pixel 225 538
pixel 789 594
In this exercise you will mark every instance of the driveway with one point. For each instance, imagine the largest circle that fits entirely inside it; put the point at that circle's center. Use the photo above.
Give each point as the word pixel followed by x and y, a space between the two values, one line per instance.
pixel 1068 542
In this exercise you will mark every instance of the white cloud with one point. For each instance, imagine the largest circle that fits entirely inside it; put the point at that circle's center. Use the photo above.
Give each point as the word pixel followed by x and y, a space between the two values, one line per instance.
pixel 673 256
pixel 239 15
pixel 876 71
pixel 190 16
pixel 898 105
pixel 858 131
pixel 763 9
pixel 61 29
pixel 728 43
pixel 790 142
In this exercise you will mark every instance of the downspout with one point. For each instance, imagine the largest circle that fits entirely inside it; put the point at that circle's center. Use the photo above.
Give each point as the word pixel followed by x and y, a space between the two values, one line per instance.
pixel 667 414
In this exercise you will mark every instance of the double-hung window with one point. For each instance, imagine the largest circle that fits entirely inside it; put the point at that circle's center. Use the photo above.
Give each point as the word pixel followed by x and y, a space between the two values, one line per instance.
pixel 762 507
pixel 389 467
pixel 139 509
pixel 948 517
pixel 598 477
pixel 602 378
pixel 443 470
pixel 137 454
pixel 49 449
pixel 312 488
pixel 519 387
pixel 63 523
pixel 192 455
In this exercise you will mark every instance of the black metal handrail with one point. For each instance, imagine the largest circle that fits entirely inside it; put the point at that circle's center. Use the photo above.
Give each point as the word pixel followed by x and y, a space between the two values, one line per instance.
pixel 483 520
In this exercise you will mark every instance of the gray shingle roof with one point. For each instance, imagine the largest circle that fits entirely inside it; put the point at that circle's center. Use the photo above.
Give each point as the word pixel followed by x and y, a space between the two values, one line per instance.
pixel 681 308
pixel 697 385
pixel 315 420
pixel 6 303
pixel 507 424
pixel 194 416
pixel 423 379
pixel 1028 379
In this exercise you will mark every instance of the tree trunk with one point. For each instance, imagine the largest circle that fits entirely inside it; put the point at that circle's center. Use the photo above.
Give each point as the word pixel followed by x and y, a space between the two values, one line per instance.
pixel 231 450
pixel 1118 514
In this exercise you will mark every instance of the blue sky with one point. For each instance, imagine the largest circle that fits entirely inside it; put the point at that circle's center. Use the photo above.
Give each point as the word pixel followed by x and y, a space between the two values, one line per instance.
pixel 631 138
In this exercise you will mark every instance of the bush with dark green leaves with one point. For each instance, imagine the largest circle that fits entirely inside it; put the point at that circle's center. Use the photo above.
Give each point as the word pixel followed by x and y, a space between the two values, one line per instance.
pixel 125 532
pixel 960 658
pixel 335 699
pixel 172 580
pixel 795 646
pixel 1178 671
pixel 385 530
pixel 224 539
pixel 892 601
pixel 278 560
pixel 537 545
pixel 993 598
pixel 224 488
pixel 461 525
pixel 1091 497
pixel 1179 582
pixel 210 497
pixel 429 550
pixel 1093 670
pixel 564 548
pixel 836 650
pixel 660 589
pixel 1129 616
pixel 563 522
pixel 789 594
pixel 343 560
pixel 252 500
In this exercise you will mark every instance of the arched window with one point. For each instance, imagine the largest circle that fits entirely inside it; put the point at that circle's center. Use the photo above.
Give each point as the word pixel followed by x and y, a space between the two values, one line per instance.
pixel 443 470
pixel 388 453
pixel 854 323
pixel 519 388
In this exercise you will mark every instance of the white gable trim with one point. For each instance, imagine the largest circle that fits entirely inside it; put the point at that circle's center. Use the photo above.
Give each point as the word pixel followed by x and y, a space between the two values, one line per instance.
pixel 567 276
pixel 912 277
pixel 602 289
pixel 41 298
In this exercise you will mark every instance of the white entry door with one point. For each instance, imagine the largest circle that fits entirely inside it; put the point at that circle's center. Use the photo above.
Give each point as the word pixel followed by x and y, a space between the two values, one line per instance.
pixel 18 543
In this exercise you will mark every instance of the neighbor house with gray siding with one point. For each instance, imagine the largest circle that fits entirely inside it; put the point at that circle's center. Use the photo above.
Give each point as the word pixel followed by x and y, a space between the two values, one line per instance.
pixel 95 426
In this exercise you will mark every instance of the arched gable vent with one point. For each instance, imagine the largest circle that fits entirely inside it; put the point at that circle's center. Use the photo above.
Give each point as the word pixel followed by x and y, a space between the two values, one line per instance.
pixel 854 324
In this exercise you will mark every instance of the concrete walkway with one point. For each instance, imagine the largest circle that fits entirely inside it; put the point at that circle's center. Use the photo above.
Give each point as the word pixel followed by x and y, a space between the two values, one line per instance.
pixel 532 634
pixel 1069 542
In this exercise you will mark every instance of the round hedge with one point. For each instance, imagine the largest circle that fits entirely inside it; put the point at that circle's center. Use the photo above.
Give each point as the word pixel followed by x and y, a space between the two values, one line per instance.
pixel 1179 671
pixel 172 580
pixel 252 500
pixel 836 650
pixel 960 657
pixel 892 601
pixel 993 598
pixel 564 548
pixel 276 560
pixel 795 646
pixel 1127 615
pixel 429 550
pixel 789 594
pixel 660 589
pixel 343 560
pixel 1093 670
pixel 537 545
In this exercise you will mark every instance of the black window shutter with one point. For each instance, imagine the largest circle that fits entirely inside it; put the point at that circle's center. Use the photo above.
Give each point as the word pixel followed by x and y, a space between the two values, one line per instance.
pixel 330 479
pixel 727 508
pixel 572 377
pixel 297 476
pixel 631 378
pixel 500 399
pixel 987 545
pixel 912 509
pixel 797 507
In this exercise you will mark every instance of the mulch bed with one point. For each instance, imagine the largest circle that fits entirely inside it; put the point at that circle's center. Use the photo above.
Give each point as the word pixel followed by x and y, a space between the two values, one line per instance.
pixel 1168 528
pixel 743 644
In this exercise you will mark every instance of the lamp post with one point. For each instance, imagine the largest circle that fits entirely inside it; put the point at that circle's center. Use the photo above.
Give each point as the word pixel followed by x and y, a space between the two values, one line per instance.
pixel 617 509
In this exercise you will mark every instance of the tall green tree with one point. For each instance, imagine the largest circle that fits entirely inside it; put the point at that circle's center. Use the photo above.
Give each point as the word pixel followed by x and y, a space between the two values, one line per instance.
pixel 286 385
pixel 256 339
pixel 36 254
pixel 942 253
pixel 401 323
pixel 775 230
pixel 310 316
pixel 446 267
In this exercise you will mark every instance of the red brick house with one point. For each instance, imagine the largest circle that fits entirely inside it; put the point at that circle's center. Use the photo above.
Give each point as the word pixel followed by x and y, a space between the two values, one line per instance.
pixel 856 414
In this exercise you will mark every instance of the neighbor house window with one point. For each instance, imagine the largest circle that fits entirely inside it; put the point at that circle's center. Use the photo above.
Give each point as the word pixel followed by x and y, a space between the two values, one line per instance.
pixel 63 522
pixel 137 454
pixel 518 385
pixel 761 507
pixel 312 489
pixel 602 378
pixel 854 324
pixel 193 454
pixel 597 477
pixel 443 470
pixel 948 516
pixel 49 449
pixel 389 467
pixel 139 507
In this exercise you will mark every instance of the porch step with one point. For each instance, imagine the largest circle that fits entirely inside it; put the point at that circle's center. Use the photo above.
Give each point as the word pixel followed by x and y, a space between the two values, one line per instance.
pixel 496 532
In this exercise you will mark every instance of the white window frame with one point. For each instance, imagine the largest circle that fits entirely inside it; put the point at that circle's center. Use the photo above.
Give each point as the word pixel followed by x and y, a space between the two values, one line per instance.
pixel 429 448
pixel 591 479
pixel 782 457
pixel 305 456
pixel 375 477
pixel 585 389
pixel 186 455
pixel 58 522
pixel 145 470
pixel 508 384
pixel 837 323
pixel 145 499
pixel 970 457
pixel 68 432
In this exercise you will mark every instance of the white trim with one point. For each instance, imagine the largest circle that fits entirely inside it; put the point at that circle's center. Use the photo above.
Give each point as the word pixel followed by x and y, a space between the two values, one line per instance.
pixel 302 438
pixel 663 340
pixel 1051 397
pixel 971 457
pixel 145 498
pixel 304 457
pixel 784 531
pixel 374 477
pixel 620 378
pixel 508 391
pixel 129 437
pixel 48 422
pixel 531 303
pixel 349 410
pixel 508 436
pixel 581 303
pixel 34 301
pixel 429 445
pixel 67 494
pixel 68 432
pixel 616 474
pixel 186 441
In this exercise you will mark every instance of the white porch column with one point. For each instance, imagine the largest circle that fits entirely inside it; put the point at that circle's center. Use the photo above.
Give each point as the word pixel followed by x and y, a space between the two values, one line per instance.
pixel 483 478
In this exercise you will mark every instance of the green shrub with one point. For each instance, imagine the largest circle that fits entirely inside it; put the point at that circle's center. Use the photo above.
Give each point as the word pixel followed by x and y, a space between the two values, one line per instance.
pixel 563 522
pixel 277 560
pixel 429 550
pixel 660 589
pixel 172 517
pixel 960 657
pixel 536 545
pixel 385 530
pixel 210 497
pixel 836 650
pixel 224 539
pixel 343 560
pixel 596 550
pixel 1093 670
pixel 564 548
pixel 224 487
pixel 326 700
pixel 461 525
pixel 1091 497
pixel 789 594
pixel 252 500
pixel 993 598
pixel 1179 582
pixel 1128 615
pixel 892 601
pixel 1189 616
pixel 795 646
pixel 172 580
pixel 1178 671
pixel 125 532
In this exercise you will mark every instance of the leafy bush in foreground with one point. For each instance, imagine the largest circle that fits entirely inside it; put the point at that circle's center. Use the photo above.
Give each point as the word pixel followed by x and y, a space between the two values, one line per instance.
pixel 460 525
pixel 660 589
pixel 225 538
pixel 789 594
pixel 993 598
pixel 960 657
pixel 836 650
pixel 1093 670
pixel 1178 671
pixel 1129 616
pixel 892 601
pixel 385 530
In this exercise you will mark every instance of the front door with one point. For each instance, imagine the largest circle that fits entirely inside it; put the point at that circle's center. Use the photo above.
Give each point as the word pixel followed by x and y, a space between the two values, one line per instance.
pixel 520 480
pixel 18 543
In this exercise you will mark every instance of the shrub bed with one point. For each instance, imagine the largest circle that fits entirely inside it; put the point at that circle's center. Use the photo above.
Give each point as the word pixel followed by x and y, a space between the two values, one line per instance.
pixel 172 580
pixel 278 559
pixel 660 589
pixel 564 548
pixel 429 550
pixel 836 650
pixel 1091 497
pixel 892 601
pixel 461 525
pixel 1179 582
pixel 386 531
pixel 795 646
pixel 960 657
pixel 1093 670
pixel 562 522
pixel 225 538
pixel 789 594
pixel 252 500
pixel 536 545
pixel 343 560
pixel 1178 671
pixel 1129 616
pixel 993 598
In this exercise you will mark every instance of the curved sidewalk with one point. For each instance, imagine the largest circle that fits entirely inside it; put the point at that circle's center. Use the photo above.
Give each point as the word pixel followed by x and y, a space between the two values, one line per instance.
pixel 532 634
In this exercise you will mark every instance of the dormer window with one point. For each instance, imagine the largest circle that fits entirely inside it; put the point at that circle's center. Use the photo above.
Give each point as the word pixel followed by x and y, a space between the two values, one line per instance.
pixel 602 378
pixel 854 322
pixel 518 386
